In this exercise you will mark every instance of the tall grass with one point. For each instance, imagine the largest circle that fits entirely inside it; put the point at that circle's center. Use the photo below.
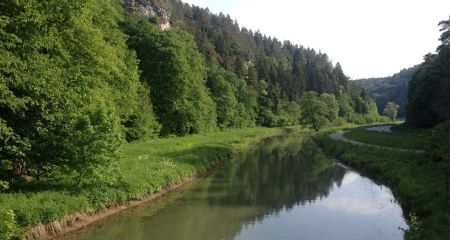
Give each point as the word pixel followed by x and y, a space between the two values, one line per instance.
pixel 412 177
pixel 405 140
pixel 144 168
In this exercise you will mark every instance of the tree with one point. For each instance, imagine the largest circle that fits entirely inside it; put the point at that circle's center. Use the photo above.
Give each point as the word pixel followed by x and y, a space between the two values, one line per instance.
pixel 67 83
pixel 340 76
pixel 290 114
pixel 314 110
pixel 445 35
pixel 391 110
pixel 389 89
pixel 176 72
pixel 223 95
pixel 332 106
pixel 345 108
pixel 429 89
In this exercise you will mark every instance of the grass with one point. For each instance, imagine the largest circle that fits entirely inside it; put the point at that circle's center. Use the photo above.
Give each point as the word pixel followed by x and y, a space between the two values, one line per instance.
pixel 402 138
pixel 145 168
pixel 413 178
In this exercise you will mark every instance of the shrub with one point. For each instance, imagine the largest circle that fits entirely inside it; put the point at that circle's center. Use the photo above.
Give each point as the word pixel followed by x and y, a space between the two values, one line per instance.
pixel 8 226
pixel 4 186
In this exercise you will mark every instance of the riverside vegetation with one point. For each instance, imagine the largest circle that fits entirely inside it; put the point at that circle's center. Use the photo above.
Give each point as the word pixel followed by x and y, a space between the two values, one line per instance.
pixel 412 139
pixel 419 182
pixel 99 106
pixel 144 168
pixel 80 81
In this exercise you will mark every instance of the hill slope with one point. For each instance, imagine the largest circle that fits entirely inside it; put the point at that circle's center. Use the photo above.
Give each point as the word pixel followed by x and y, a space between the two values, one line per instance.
pixel 389 89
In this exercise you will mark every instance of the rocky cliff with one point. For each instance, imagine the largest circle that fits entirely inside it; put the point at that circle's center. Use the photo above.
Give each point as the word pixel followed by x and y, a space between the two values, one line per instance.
pixel 157 10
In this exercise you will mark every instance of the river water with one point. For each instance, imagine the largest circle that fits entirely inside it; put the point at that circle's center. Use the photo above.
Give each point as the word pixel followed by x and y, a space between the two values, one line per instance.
pixel 283 188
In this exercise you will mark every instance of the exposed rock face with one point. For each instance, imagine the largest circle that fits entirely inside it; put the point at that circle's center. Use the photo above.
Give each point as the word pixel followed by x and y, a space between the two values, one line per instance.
pixel 151 9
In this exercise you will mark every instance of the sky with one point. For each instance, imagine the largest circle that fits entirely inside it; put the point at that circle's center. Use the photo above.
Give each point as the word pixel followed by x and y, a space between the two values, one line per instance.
pixel 370 38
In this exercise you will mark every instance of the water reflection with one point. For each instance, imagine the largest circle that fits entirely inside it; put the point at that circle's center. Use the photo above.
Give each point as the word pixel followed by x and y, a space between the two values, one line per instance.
pixel 282 189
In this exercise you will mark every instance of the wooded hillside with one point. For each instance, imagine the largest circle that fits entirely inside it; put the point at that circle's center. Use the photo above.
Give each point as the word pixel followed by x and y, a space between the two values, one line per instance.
pixel 79 78
pixel 389 89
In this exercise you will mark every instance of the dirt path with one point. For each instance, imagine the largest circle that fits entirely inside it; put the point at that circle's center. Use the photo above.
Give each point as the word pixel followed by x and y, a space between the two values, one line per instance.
pixel 339 136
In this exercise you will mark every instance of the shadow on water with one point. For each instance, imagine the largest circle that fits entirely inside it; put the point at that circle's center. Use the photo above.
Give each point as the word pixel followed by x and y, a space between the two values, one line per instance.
pixel 281 189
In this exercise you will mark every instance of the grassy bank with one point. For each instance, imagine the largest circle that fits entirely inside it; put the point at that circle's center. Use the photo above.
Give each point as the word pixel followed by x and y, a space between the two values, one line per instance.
pixel 145 168
pixel 410 139
pixel 414 179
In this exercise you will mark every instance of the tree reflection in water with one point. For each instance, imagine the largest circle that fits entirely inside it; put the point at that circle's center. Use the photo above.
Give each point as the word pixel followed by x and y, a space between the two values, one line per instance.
pixel 277 177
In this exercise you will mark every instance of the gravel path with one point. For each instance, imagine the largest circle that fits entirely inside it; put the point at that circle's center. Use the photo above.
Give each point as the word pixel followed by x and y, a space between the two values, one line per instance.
pixel 339 136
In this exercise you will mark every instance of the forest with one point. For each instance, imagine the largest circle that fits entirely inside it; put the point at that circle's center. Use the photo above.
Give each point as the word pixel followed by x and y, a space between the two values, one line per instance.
pixel 389 89
pixel 79 79
pixel 429 89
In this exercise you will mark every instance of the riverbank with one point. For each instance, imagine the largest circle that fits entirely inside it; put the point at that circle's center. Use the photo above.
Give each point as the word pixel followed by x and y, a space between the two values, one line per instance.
pixel 411 139
pixel 281 188
pixel 146 168
pixel 413 178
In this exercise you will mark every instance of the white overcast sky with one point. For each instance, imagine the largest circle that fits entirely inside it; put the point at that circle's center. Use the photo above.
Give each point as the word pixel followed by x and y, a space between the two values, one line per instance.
pixel 370 38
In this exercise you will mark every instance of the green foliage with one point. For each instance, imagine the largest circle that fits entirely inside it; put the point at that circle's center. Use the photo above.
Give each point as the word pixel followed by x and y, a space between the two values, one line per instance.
pixel 8 227
pixel 145 167
pixel 440 150
pixel 391 110
pixel 67 81
pixel 255 56
pixel 314 110
pixel 429 89
pixel 345 108
pixel 440 141
pixel 4 186
pixel 93 144
pixel 332 106
pixel 319 111
pixel 142 124
pixel 290 114
pixel 356 106
pixel 415 230
pixel 175 71
pixel 389 89
pixel 279 73
pixel 412 177
pixel 235 102
pixel 394 139
pixel 72 92
pixel 225 100
pixel 266 116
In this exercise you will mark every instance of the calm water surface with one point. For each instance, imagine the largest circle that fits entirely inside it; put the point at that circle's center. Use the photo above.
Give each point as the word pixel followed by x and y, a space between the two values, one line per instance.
pixel 281 189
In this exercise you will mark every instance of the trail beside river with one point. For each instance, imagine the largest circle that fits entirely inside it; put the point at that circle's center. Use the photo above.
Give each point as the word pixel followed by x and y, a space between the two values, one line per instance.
pixel 339 136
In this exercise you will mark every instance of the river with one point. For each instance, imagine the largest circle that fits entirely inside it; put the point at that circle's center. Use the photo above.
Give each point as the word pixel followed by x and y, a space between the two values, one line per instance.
pixel 283 188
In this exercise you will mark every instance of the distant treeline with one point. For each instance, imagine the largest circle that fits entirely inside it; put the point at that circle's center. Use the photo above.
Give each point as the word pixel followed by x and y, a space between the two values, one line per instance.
pixel 389 89
pixel 79 78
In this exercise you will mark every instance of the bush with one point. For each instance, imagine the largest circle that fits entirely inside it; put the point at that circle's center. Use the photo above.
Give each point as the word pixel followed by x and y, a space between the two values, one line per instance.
pixel 8 225
pixel 4 186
